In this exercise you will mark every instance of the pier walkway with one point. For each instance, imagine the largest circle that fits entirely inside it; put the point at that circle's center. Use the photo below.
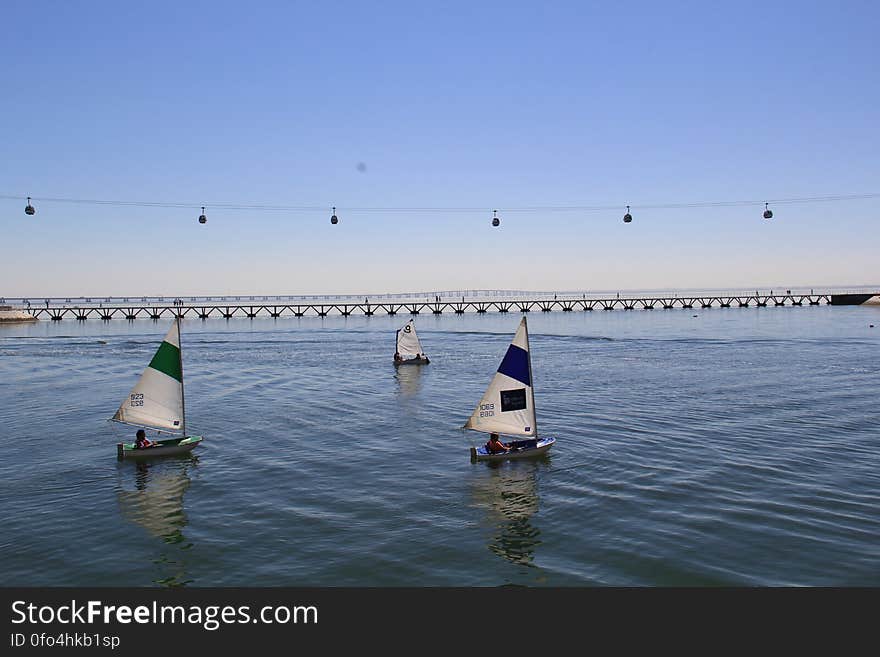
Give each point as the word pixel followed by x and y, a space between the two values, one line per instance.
pixel 248 308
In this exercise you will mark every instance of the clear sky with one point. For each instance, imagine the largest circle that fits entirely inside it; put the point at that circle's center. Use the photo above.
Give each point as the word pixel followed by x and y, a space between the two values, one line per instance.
pixel 429 105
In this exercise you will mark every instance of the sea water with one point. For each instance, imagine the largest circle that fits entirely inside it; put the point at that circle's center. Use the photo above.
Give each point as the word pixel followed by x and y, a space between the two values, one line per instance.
pixel 694 447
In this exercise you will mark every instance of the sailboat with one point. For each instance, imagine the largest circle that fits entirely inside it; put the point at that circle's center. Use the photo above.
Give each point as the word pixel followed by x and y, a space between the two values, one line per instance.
pixel 508 405
pixel 409 350
pixel 156 402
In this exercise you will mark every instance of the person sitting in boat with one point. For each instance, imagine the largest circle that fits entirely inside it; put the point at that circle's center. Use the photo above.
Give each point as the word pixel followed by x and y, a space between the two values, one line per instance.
pixel 495 446
pixel 397 357
pixel 142 441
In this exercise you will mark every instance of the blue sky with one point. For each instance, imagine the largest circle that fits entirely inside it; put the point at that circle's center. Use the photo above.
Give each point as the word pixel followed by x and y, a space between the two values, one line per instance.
pixel 477 105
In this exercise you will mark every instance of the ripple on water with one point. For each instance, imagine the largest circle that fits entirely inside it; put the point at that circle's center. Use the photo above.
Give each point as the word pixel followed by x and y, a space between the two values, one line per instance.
pixel 737 449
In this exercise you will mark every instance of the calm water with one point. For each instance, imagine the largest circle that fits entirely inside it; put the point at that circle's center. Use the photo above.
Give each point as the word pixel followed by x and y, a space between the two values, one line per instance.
pixel 735 447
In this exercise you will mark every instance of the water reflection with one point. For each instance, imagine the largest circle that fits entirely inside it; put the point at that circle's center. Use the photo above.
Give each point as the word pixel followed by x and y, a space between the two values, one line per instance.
pixel 156 505
pixel 509 493
pixel 409 378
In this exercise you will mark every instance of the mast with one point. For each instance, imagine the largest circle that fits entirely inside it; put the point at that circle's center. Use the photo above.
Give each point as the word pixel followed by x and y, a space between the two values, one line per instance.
pixel 182 400
pixel 531 378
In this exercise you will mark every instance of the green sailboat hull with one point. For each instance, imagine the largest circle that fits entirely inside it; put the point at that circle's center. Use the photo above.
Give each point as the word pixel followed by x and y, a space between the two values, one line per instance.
pixel 169 447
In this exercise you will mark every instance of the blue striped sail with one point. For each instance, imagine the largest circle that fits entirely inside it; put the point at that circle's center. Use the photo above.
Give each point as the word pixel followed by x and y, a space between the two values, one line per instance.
pixel 508 405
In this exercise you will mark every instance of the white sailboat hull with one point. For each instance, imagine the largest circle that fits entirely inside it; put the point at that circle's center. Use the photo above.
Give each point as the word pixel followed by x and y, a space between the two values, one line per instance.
pixel 541 447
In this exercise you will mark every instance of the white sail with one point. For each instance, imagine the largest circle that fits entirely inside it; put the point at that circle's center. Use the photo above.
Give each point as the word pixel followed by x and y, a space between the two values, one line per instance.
pixel 508 405
pixel 157 399
pixel 408 342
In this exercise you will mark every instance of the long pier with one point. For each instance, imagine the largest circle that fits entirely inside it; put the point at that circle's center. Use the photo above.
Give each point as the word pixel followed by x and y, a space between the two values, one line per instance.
pixel 252 309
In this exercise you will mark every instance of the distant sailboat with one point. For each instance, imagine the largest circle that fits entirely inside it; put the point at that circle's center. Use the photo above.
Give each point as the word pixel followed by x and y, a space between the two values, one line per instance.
pixel 508 405
pixel 156 402
pixel 409 350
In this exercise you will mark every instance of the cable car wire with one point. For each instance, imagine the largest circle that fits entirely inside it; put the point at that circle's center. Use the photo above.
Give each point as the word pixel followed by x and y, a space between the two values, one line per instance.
pixel 442 209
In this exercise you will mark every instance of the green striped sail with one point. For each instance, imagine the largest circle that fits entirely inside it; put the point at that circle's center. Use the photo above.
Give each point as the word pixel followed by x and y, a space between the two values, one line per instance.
pixel 157 398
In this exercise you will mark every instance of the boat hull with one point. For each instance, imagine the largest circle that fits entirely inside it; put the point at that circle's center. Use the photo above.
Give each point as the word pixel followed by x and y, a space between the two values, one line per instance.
pixel 413 361
pixel 170 447
pixel 522 449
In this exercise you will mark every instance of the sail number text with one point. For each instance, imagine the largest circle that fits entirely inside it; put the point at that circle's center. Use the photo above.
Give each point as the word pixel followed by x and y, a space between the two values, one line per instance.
pixel 487 410
pixel 137 399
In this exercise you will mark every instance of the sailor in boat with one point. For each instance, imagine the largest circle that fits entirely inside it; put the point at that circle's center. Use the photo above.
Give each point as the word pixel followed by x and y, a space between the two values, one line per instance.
pixel 156 402
pixel 397 357
pixel 495 446
pixel 142 441
pixel 508 406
